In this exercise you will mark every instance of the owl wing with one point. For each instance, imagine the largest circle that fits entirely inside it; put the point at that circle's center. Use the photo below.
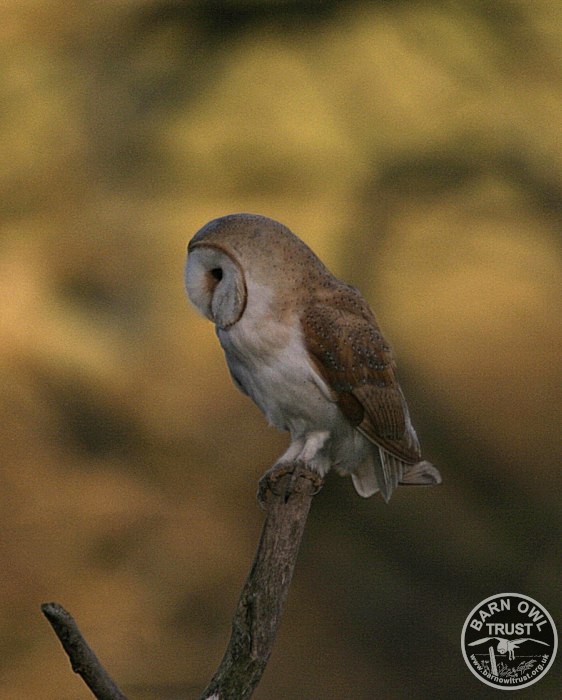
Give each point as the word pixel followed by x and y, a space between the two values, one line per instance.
pixel 350 353
pixel 481 641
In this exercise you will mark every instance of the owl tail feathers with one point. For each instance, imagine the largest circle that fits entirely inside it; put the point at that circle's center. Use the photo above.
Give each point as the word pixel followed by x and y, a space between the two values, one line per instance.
pixel 379 472
pixel 364 480
pixel 385 472
pixel 421 474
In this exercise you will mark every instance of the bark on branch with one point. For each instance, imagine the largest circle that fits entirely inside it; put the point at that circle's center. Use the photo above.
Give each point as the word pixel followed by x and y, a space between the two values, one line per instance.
pixel 263 597
pixel 259 609
pixel 82 658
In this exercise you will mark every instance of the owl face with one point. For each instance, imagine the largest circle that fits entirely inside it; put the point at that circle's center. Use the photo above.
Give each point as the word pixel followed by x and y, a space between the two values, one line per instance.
pixel 215 284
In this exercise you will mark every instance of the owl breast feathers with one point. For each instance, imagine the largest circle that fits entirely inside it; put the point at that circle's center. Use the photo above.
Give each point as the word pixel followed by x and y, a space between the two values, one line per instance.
pixel 308 350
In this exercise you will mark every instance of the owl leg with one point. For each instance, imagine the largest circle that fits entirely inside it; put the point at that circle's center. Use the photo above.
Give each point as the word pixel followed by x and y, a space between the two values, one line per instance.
pixel 303 451
pixel 311 454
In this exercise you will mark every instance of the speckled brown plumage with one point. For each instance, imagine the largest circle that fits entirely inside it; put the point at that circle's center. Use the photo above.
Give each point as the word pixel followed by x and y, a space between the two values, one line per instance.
pixel 356 362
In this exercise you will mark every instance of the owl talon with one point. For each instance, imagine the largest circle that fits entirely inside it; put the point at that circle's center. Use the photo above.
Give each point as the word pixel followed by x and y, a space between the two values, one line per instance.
pixel 269 481
pixel 317 480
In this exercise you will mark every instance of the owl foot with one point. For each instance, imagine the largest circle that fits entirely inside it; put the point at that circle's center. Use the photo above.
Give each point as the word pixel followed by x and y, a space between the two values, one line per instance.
pixel 297 470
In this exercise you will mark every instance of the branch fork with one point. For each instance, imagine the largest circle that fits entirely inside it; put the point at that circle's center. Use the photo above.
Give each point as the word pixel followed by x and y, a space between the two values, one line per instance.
pixel 286 495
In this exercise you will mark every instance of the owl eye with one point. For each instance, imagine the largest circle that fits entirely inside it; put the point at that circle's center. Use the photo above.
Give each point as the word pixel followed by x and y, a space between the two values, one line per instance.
pixel 216 273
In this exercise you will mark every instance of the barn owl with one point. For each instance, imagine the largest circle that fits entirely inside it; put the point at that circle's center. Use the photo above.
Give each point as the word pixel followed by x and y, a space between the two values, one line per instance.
pixel 308 350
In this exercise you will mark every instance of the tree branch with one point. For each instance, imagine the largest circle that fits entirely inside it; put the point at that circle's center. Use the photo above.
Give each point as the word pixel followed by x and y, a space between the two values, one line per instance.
pixel 259 609
pixel 82 658
pixel 263 597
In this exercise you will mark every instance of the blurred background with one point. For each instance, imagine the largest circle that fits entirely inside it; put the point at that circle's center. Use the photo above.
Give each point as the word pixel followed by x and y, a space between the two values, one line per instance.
pixel 416 147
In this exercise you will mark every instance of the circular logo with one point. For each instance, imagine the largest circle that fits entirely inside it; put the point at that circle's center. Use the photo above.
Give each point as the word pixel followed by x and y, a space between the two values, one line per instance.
pixel 509 641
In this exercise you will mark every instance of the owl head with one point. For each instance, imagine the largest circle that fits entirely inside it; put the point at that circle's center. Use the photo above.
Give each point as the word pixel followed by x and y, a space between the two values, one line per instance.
pixel 232 255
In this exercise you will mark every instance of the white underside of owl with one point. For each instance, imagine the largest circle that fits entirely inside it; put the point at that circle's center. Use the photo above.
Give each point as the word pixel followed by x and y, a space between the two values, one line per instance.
pixel 269 362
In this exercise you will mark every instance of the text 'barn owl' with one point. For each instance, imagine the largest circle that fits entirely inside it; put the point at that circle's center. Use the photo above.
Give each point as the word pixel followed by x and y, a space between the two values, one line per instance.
pixel 307 349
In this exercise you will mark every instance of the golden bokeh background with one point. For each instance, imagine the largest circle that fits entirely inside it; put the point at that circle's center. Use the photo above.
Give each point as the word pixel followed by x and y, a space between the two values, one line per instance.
pixel 417 148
